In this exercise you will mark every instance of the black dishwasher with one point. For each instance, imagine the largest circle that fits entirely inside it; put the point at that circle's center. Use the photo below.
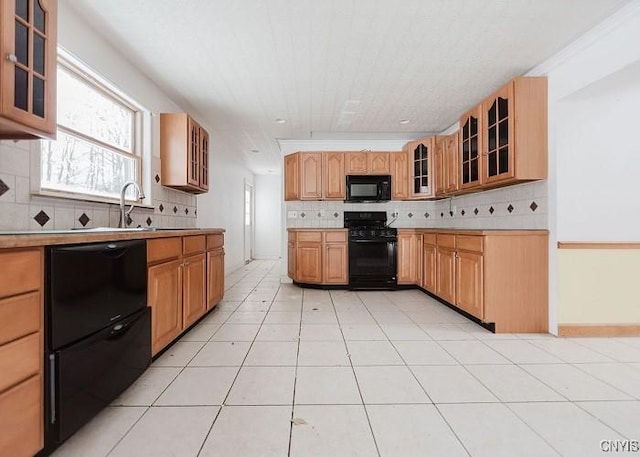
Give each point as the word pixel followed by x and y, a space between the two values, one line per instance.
pixel 98 338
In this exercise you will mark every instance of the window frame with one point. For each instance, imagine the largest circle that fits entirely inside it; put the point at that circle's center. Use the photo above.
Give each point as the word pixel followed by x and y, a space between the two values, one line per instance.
pixel 141 116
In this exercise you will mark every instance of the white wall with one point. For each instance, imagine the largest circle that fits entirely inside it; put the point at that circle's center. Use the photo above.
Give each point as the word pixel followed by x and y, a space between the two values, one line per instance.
pixel 268 219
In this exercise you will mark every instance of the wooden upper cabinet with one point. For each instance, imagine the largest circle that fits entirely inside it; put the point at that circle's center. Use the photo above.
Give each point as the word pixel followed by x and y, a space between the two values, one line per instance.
pixel 514 139
pixel 310 175
pixel 470 144
pixel 399 175
pixel 333 180
pixel 446 165
pixel 184 153
pixel 367 163
pixel 421 166
pixel 292 177
pixel 28 69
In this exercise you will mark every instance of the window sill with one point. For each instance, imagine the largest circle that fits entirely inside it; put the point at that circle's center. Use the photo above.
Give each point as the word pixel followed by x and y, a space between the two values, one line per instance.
pixel 88 198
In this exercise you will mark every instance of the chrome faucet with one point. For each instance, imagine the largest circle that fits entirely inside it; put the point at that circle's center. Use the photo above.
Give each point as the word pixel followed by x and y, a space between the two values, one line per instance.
pixel 124 212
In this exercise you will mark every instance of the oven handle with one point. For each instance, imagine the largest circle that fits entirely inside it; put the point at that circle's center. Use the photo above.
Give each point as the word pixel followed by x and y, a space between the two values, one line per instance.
pixel 373 241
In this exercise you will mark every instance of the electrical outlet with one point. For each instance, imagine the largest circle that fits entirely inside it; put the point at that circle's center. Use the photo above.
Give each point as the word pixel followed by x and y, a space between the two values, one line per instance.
pixel 292 215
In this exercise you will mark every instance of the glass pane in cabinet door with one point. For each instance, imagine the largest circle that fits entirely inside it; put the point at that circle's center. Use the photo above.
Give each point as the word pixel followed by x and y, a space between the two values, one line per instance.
pixel 474 147
pixel 493 133
pixel 38 53
pixel 465 151
pixel 492 159
pixel 425 181
pixel 22 43
pixel 465 130
pixel 503 160
pixel 504 133
pixel 492 113
pixel 465 173
pixel 503 108
pixel 474 170
pixel 416 186
pixel 39 17
pixel 21 89
pixel 22 9
pixel 38 96
pixel 473 128
pixel 416 168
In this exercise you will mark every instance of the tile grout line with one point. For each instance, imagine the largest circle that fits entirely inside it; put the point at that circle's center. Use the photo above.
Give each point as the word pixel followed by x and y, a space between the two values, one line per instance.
pixel 295 377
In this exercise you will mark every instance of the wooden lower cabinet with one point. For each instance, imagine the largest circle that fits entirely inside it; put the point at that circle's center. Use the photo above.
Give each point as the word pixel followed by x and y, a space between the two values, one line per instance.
pixel 409 257
pixel 185 280
pixel 165 299
pixel 429 268
pixel 21 352
pixel 318 257
pixel 469 283
pixel 446 276
pixel 194 288
pixel 215 277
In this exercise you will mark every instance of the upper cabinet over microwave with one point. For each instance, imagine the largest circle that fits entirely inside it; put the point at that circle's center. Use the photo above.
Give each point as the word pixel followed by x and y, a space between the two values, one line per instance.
pixel 28 69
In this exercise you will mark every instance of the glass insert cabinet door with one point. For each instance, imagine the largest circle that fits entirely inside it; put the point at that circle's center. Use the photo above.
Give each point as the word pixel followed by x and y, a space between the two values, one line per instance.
pixel 422 153
pixel 29 62
pixel 470 157
pixel 498 145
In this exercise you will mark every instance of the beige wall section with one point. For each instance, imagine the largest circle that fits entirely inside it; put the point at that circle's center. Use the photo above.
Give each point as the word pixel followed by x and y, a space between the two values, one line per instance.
pixel 598 286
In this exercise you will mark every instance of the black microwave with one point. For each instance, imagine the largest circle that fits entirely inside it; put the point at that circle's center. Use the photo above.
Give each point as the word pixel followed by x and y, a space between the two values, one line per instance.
pixel 368 188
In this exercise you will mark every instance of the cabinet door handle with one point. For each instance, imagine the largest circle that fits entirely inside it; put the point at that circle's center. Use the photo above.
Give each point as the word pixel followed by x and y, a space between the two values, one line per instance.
pixel 12 58
pixel 185 264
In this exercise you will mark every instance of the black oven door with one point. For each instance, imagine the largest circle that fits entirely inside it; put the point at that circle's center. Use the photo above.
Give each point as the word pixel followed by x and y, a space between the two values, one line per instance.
pixel 372 264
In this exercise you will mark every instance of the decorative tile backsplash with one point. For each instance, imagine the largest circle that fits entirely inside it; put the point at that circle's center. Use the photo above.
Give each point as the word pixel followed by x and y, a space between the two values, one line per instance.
pixel 20 210
pixel 515 207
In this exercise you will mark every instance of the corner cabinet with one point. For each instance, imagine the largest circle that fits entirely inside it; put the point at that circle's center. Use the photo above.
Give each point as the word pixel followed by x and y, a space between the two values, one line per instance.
pixel 184 153
pixel 28 42
pixel 421 166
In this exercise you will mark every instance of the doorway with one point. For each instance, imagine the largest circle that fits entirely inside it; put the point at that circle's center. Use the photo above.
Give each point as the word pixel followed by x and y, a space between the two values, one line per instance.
pixel 248 222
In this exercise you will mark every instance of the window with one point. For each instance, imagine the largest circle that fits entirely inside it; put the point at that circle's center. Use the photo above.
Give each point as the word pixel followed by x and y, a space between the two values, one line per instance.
pixel 97 148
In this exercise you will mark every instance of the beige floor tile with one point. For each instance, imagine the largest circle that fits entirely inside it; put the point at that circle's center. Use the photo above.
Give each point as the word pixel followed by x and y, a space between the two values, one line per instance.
pixel 331 430
pixel 247 317
pixel 619 375
pixel 622 416
pixel 412 431
pixel 272 353
pixel 319 317
pixel 179 354
pixel 611 347
pixel 279 332
pixel 423 353
pixel 148 387
pixel 168 431
pixel 249 431
pixel 573 383
pixel 385 385
pixel 221 353
pixel 520 351
pixel 570 351
pixel 356 318
pixel 404 332
pixel 201 332
pixel 326 385
pixel 492 430
pixel 469 352
pixel 236 332
pixel 282 317
pixel 451 384
pixel 263 386
pixel 366 332
pixel 447 332
pixel 320 332
pixel 216 317
pixel 373 353
pixel 569 429
pixel 322 353
pixel 102 433
pixel 511 383
pixel 199 386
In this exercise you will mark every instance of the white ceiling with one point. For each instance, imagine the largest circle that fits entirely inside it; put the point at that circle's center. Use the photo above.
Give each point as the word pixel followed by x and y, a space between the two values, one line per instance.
pixel 334 68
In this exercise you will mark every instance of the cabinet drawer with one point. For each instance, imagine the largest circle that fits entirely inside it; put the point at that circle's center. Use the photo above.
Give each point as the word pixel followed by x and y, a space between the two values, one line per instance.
pixel 163 248
pixel 21 419
pixel 469 243
pixel 446 240
pixel 309 236
pixel 21 272
pixel 19 316
pixel 215 241
pixel 335 237
pixel 291 236
pixel 193 244
pixel 429 238
pixel 19 360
